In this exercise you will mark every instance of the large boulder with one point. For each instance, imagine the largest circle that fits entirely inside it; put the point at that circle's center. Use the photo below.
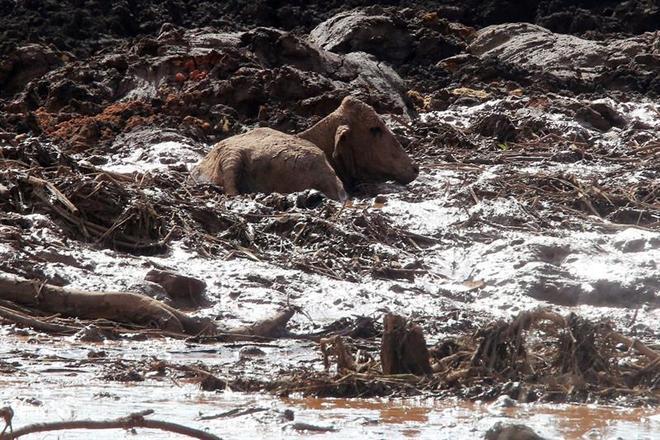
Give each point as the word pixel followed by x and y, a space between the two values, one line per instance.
pixel 355 73
pixel 570 59
pixel 356 31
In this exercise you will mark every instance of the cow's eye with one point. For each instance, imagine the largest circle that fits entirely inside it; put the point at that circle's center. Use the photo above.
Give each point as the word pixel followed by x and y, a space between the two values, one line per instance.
pixel 376 130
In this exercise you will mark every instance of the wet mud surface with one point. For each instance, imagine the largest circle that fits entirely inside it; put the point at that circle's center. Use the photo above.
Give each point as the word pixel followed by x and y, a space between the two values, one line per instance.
pixel 538 140
pixel 72 380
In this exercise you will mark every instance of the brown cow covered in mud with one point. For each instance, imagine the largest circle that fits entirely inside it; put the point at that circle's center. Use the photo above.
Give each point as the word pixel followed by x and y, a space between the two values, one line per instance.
pixel 349 146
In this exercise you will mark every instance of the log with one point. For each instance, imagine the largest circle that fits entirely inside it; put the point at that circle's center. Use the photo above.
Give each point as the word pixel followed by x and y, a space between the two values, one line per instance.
pixel 125 307
pixel 115 306
pixel 403 348
pixel 274 327
pixel 269 328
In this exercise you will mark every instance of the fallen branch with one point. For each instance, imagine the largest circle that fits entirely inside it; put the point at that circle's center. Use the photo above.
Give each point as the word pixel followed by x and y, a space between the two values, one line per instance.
pixel 135 420
pixel 19 318
pixel 268 328
pixel 115 306
pixel 652 355
pixel 41 183
pixel 299 426
pixel 236 412
pixel 127 307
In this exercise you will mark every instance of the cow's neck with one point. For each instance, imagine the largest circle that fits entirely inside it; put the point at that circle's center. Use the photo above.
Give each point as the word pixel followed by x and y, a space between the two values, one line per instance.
pixel 322 134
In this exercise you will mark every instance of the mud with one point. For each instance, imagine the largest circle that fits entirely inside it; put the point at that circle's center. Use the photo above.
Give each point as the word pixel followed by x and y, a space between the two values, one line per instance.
pixel 539 150
pixel 69 380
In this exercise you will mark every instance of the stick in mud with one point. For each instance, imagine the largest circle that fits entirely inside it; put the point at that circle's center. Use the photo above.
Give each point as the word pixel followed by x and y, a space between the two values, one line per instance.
pixel 20 318
pixel 134 420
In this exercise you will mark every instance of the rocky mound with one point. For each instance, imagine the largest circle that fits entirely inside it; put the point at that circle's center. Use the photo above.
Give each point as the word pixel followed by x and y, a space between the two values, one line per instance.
pixel 573 61
pixel 200 81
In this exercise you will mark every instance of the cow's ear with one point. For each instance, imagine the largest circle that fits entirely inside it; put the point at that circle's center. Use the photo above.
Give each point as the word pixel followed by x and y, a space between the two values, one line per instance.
pixel 343 155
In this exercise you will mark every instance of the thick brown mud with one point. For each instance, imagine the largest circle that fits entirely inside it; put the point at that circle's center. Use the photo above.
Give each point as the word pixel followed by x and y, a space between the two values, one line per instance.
pixel 536 128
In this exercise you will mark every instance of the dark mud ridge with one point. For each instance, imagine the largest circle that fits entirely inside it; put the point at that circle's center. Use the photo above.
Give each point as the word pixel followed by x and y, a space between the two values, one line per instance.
pixel 524 260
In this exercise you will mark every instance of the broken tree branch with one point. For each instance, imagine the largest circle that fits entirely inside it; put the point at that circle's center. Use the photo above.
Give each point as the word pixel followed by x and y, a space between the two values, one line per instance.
pixel 123 307
pixel 114 306
pixel 267 328
pixel 652 355
pixel 20 318
pixel 135 420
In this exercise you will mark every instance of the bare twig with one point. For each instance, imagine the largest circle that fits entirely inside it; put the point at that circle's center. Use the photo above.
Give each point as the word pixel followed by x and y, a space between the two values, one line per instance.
pixel 135 420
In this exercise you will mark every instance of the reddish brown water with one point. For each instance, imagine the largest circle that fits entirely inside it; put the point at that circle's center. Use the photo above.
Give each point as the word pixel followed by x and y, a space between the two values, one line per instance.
pixel 567 421
pixel 52 384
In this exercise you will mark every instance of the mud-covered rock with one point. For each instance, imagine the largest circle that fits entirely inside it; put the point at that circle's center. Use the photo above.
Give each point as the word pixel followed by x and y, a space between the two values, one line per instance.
pixel 432 46
pixel 607 16
pixel 149 149
pixel 4 193
pixel 180 288
pixel 201 82
pixel 502 431
pixel 356 31
pixel 601 116
pixel 570 60
pixel 152 290
pixel 634 240
pixel 27 63
pixel 496 125
pixel 556 285
pixel 564 16
pixel 592 119
pixel 87 26
pixel 91 333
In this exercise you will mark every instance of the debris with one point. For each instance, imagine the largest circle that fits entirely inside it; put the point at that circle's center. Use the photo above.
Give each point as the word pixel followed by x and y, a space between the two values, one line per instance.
pixel 300 426
pixel 403 349
pixel 134 420
pixel 184 290
pixel 124 307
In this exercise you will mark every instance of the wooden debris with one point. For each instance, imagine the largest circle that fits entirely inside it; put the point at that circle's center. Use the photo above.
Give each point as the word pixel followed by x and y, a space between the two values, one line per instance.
pixel 300 426
pixel 134 420
pixel 335 345
pixel 115 306
pixel 403 348
pixel 37 324
pixel 126 307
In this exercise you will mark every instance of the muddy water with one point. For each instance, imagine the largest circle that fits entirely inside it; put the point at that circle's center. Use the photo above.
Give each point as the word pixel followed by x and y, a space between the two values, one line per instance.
pixel 464 420
pixel 54 381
